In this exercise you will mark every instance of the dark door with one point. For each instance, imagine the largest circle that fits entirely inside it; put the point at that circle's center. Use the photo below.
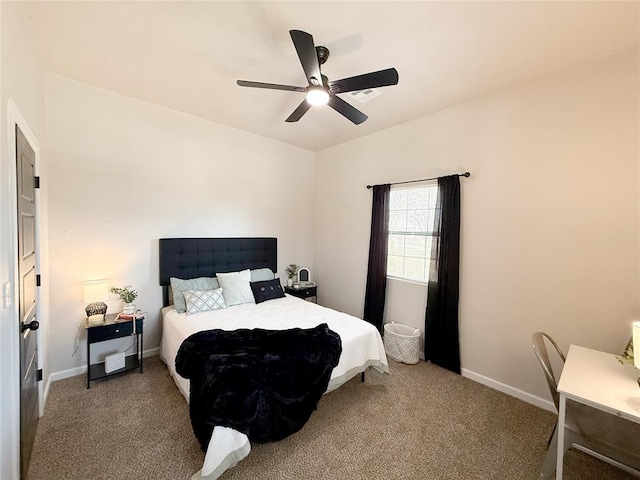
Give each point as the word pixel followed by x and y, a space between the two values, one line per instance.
pixel 27 310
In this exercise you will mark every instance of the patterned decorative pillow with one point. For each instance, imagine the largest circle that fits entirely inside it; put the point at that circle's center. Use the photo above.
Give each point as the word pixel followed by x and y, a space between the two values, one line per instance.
pixel 267 290
pixel 203 300
pixel 179 285
pixel 235 287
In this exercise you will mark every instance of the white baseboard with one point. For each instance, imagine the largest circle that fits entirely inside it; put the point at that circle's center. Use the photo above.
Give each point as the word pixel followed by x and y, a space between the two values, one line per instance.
pixel 509 390
pixel 151 352
pixel 73 372
pixel 610 461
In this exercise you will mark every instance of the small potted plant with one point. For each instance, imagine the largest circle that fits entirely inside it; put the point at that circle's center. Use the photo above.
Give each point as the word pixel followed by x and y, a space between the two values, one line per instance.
pixel 127 295
pixel 292 269
pixel 628 356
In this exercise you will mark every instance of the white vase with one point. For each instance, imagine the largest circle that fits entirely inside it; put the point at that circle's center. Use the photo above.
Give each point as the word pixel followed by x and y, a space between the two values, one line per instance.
pixel 129 309
pixel 289 282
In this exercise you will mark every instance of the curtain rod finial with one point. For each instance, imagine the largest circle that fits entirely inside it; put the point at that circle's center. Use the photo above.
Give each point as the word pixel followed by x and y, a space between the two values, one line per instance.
pixel 369 186
pixel 467 174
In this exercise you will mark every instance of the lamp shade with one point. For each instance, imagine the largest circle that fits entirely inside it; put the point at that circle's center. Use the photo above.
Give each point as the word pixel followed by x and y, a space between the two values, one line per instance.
pixel 95 291
pixel 636 344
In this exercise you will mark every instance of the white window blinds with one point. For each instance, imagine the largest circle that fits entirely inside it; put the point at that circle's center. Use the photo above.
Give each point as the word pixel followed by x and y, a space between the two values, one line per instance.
pixel 411 219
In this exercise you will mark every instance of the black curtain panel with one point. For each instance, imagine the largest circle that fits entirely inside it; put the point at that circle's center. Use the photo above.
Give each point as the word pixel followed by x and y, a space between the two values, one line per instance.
pixel 441 321
pixel 377 272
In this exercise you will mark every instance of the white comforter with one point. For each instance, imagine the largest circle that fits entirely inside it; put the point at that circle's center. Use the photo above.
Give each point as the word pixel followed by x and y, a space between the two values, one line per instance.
pixel 361 348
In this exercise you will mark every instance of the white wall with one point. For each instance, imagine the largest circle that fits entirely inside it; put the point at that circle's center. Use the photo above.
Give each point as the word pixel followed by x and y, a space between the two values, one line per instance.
pixel 125 173
pixel 20 81
pixel 550 216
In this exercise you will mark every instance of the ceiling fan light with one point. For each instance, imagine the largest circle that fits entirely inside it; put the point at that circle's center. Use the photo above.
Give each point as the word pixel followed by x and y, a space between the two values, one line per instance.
pixel 317 96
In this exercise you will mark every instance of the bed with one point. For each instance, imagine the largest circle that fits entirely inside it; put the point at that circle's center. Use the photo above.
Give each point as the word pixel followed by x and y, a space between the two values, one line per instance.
pixel 192 259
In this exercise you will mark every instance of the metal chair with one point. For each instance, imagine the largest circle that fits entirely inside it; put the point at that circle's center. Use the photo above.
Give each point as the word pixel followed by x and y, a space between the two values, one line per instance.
pixel 594 431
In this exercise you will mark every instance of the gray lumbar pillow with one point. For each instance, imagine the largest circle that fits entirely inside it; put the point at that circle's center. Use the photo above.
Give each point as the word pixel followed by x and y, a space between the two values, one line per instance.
pixel 262 274
pixel 179 285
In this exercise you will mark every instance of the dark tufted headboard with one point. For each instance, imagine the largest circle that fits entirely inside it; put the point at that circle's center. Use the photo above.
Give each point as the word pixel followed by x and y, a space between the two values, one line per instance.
pixel 205 257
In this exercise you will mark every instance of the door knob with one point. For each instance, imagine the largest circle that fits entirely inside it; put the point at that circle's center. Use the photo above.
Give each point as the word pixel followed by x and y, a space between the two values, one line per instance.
pixel 33 325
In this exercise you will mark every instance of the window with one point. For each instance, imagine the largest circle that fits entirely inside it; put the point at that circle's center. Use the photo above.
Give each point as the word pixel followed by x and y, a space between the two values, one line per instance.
pixel 411 218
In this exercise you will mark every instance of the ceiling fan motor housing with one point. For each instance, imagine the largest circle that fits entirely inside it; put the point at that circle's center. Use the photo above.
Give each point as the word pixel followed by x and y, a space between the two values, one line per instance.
pixel 323 54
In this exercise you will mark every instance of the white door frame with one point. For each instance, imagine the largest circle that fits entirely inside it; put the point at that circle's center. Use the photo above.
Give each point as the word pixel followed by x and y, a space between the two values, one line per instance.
pixel 12 395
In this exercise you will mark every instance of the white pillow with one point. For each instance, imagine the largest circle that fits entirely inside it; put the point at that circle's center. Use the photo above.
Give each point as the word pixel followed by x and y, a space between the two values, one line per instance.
pixel 236 287
pixel 203 300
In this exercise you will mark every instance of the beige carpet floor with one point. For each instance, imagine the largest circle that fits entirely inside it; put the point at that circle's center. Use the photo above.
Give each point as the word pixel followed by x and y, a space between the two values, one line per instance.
pixel 419 422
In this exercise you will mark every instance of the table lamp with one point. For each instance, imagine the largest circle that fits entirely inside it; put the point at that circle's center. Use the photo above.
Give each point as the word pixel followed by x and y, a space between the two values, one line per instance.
pixel 94 292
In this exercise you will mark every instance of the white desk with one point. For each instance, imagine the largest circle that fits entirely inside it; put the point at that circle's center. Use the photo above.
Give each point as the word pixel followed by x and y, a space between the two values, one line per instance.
pixel 596 379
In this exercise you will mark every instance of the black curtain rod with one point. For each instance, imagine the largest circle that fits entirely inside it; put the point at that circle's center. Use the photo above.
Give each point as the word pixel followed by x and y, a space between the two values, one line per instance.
pixel 465 174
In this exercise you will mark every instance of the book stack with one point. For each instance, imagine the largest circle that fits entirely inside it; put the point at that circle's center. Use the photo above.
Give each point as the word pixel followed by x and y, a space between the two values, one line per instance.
pixel 123 317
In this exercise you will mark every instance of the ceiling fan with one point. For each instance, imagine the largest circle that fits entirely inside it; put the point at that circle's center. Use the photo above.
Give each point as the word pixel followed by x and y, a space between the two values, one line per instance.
pixel 320 90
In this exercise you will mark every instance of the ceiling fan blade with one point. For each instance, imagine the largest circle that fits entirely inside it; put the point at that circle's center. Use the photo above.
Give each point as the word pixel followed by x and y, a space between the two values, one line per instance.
pixel 381 78
pixel 345 109
pixel 306 49
pixel 299 112
pixel 272 86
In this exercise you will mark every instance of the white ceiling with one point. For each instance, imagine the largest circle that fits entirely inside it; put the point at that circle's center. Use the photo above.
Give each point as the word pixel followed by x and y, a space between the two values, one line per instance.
pixel 188 55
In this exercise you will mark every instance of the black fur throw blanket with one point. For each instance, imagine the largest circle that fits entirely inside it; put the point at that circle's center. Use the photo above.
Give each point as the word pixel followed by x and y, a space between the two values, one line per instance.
pixel 263 383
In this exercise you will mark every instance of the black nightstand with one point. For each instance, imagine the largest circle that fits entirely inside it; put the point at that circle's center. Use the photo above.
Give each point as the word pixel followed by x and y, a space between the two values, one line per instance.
pixel 304 293
pixel 110 330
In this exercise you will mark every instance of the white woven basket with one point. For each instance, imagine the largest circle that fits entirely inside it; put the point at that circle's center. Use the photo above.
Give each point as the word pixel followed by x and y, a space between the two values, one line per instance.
pixel 402 342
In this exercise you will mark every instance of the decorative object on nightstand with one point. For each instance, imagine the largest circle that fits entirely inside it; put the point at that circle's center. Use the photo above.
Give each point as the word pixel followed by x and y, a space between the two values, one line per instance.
pixel 94 292
pixel 304 278
pixel 127 295
pixel 292 270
